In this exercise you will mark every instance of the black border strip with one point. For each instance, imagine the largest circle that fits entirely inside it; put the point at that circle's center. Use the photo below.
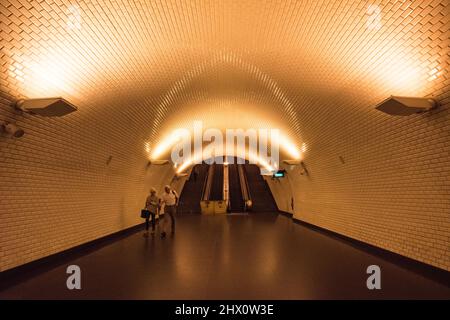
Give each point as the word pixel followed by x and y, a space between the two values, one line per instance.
pixel 286 214
pixel 428 271
pixel 30 269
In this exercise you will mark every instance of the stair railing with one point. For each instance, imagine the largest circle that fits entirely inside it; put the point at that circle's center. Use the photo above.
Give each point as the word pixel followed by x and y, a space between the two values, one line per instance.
pixel 226 186
pixel 246 196
pixel 206 190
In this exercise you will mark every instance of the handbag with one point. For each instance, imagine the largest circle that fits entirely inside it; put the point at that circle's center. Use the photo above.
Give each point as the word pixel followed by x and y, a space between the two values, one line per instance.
pixel 145 213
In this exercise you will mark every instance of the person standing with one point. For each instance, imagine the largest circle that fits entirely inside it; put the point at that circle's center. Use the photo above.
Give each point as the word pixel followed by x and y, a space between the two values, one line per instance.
pixel 152 205
pixel 170 200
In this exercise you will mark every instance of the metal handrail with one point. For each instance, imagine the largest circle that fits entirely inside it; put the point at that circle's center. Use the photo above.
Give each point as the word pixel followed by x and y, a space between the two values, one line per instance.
pixel 207 184
pixel 246 196
pixel 226 185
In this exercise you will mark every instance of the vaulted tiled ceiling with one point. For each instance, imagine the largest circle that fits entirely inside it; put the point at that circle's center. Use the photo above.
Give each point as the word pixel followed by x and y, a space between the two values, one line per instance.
pixel 287 63
pixel 137 69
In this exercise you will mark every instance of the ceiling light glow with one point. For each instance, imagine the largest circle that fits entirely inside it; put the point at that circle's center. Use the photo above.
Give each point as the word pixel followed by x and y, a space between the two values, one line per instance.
pixel 289 147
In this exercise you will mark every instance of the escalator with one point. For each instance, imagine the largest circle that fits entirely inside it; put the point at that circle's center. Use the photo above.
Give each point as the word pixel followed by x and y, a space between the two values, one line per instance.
pixel 261 196
pixel 242 189
pixel 217 184
pixel 236 199
pixel 192 191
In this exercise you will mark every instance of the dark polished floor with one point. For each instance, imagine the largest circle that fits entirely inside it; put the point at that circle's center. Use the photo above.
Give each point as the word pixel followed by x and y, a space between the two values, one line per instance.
pixel 264 256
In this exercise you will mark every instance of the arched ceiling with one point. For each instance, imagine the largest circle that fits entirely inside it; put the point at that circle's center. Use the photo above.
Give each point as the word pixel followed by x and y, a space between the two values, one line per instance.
pixel 260 63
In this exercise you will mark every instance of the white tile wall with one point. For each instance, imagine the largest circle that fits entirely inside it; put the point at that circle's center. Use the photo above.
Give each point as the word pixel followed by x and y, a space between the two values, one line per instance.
pixel 133 67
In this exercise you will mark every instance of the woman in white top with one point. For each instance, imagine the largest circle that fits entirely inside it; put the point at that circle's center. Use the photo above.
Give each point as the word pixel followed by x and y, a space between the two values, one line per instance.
pixel 152 205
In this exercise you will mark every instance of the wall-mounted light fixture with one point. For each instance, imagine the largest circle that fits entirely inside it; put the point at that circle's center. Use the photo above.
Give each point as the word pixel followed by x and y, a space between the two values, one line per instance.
pixel 156 162
pixel 292 162
pixel 159 162
pixel 405 106
pixel 46 107
pixel 11 130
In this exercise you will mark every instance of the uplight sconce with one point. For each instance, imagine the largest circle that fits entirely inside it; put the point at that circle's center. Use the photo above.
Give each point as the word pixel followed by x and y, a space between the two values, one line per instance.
pixel 300 163
pixel 46 107
pixel 159 162
pixel 292 162
pixel 405 106
pixel 156 162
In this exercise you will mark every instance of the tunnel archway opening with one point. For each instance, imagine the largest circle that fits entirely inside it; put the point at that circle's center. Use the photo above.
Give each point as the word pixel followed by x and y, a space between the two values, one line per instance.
pixel 226 184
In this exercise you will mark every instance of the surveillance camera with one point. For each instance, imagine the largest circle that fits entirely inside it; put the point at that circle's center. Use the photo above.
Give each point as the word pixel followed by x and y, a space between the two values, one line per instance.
pixel 12 130
pixel 304 170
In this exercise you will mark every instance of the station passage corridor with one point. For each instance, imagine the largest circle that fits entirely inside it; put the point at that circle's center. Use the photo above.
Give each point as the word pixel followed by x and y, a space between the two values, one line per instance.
pixel 256 256
pixel 308 141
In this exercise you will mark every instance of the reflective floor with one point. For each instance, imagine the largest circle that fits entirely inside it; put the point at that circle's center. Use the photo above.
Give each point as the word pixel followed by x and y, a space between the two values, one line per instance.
pixel 264 256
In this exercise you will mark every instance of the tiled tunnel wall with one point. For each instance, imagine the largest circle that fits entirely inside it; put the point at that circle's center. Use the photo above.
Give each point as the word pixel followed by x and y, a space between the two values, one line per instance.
pixel 66 182
pixel 385 182
pixel 318 66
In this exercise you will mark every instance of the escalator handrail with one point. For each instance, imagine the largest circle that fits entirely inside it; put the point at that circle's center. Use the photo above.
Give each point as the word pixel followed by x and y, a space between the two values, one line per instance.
pixel 226 185
pixel 244 184
pixel 206 190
